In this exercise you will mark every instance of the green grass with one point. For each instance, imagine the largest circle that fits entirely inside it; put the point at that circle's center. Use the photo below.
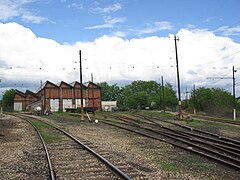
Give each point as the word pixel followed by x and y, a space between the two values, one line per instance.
pixel 49 134
pixel 177 162
pixel 51 138
pixel 41 125
pixel 169 166
pixel 212 126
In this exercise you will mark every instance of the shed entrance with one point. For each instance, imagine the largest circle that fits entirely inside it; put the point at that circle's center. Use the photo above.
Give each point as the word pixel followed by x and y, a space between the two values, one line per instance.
pixel 67 103
pixel 17 106
pixel 54 105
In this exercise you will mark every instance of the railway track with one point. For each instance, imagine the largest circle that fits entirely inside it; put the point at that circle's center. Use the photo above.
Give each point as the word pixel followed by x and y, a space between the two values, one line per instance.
pixel 219 149
pixel 215 119
pixel 70 158
pixel 159 121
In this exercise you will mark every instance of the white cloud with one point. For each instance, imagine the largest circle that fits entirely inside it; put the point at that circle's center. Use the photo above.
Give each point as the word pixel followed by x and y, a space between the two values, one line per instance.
pixel 8 9
pixel 201 54
pixel 111 8
pixel 109 22
pixel 15 8
pixel 155 27
pixel 229 31
pixel 119 34
pixel 29 18
pixel 75 5
pixel 100 26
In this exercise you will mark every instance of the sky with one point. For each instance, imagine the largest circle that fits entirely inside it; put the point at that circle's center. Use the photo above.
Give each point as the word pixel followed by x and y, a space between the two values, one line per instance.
pixel 120 41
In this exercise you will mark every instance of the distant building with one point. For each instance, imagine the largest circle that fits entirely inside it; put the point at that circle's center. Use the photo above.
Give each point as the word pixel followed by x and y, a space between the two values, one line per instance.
pixel 109 105
pixel 57 97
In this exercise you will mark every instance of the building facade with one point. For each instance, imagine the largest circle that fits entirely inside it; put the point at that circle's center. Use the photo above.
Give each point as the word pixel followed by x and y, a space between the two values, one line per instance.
pixel 57 97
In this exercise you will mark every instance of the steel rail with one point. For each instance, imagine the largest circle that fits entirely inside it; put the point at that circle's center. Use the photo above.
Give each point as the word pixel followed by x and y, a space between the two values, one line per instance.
pixel 177 137
pixel 234 147
pixel 221 140
pixel 51 171
pixel 215 119
pixel 230 148
pixel 190 129
pixel 108 164
pixel 113 168
pixel 229 164
pixel 226 149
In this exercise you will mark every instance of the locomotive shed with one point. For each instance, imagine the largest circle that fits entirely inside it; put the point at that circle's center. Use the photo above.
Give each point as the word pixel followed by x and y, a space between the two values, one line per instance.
pixel 153 159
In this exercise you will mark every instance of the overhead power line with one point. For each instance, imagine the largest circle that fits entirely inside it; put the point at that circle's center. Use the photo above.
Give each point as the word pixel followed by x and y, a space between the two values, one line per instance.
pixel 219 59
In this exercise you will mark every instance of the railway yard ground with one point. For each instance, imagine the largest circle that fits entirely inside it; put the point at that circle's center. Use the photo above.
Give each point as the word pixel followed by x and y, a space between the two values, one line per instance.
pixel 144 157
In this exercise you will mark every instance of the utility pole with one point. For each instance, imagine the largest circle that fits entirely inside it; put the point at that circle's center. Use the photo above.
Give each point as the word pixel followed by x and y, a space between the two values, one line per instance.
pixel 163 98
pixel 92 94
pixel 194 100
pixel 81 88
pixel 234 98
pixel 178 80
pixel 187 102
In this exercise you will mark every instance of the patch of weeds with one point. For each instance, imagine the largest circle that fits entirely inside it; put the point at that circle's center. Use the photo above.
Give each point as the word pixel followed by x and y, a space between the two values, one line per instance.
pixel 169 166
pixel 51 138
pixel 40 125
pixel 198 163
pixel 48 133
pixel 206 166
pixel 212 126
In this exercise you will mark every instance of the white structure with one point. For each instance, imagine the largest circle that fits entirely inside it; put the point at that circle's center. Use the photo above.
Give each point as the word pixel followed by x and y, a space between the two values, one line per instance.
pixel 17 106
pixel 109 105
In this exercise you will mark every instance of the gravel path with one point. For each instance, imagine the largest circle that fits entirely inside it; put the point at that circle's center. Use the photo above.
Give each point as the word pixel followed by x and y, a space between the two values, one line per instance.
pixel 21 154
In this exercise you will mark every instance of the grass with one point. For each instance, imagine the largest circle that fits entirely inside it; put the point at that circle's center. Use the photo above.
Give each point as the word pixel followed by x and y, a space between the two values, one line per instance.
pixel 187 162
pixel 212 126
pixel 169 166
pixel 49 134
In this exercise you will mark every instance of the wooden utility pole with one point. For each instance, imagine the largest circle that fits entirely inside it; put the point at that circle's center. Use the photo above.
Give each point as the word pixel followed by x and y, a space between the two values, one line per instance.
pixel 178 80
pixel 234 98
pixel 163 98
pixel 92 94
pixel 187 102
pixel 194 100
pixel 81 88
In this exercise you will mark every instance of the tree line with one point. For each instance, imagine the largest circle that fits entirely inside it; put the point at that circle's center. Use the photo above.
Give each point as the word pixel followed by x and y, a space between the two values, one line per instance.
pixel 151 94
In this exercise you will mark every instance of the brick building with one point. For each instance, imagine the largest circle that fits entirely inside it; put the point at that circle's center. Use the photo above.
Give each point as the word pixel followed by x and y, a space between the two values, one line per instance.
pixel 57 97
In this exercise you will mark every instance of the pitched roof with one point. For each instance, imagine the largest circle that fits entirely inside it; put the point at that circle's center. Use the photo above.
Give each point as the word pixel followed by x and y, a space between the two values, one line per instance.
pixel 76 82
pixel 30 92
pixel 44 84
pixel 19 93
pixel 62 82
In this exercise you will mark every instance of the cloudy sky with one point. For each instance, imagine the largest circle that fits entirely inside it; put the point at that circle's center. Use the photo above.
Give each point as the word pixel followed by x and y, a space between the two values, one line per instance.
pixel 120 41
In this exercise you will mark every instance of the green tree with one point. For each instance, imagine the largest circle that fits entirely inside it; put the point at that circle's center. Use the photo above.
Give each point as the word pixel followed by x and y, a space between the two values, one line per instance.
pixel 138 100
pixel 148 89
pixel 213 101
pixel 7 100
pixel 139 94
pixel 109 92
pixel 170 98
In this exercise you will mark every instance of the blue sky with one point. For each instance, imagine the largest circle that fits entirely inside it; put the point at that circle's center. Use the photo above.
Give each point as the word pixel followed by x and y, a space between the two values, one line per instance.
pixel 85 20
pixel 122 40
